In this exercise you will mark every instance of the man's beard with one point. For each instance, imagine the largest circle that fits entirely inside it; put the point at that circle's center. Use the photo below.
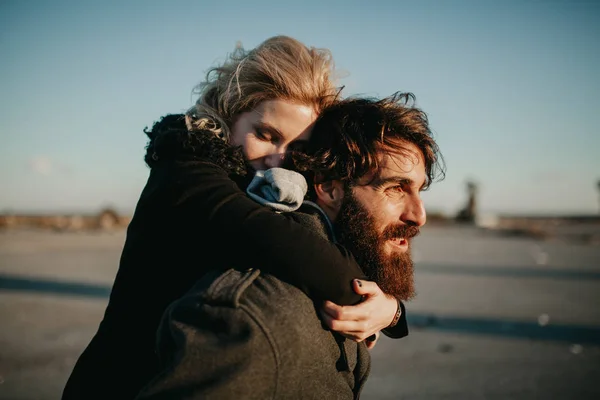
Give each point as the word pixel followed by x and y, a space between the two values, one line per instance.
pixel 356 230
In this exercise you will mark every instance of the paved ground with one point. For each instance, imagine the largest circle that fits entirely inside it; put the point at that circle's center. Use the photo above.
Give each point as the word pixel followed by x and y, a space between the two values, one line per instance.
pixel 495 318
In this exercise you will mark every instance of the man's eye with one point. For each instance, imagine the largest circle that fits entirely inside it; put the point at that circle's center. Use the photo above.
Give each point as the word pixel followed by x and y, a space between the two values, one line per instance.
pixel 396 189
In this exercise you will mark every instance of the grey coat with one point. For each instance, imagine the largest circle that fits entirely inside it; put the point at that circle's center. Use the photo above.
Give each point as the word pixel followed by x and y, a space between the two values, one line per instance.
pixel 248 335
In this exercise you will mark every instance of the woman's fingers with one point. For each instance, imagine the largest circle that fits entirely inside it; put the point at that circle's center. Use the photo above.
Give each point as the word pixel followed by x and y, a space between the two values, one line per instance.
pixel 355 330
pixel 345 313
pixel 344 325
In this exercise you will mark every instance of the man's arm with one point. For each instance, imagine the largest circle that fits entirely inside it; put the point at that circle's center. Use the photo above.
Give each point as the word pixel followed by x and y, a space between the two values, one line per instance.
pixel 212 352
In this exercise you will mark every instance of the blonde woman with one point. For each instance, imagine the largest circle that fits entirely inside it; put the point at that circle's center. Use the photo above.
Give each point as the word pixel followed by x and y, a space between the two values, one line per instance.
pixel 193 215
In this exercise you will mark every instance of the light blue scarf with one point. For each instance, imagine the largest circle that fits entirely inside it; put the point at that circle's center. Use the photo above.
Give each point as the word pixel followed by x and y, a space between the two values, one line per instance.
pixel 278 188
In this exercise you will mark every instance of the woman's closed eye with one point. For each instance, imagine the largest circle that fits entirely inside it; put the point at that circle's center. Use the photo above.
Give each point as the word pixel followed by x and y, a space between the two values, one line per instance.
pixel 265 135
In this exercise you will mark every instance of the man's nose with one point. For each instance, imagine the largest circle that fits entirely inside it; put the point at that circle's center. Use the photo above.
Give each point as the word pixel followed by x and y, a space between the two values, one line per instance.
pixel 414 212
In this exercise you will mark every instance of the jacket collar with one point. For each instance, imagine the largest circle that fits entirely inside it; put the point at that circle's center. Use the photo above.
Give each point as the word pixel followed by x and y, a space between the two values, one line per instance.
pixel 313 208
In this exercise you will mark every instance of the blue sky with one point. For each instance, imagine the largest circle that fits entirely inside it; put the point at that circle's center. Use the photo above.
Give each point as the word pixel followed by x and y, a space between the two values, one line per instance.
pixel 511 89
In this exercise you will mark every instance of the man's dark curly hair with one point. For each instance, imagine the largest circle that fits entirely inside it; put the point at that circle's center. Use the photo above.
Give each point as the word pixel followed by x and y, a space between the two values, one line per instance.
pixel 348 137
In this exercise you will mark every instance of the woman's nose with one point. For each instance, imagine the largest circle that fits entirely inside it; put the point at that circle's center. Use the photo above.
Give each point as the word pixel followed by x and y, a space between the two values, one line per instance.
pixel 274 160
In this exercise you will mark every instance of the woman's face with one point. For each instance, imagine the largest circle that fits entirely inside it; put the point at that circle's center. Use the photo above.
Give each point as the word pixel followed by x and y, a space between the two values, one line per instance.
pixel 270 130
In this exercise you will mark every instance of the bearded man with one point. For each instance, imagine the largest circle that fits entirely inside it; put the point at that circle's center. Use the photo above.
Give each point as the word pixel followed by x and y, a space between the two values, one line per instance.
pixel 246 334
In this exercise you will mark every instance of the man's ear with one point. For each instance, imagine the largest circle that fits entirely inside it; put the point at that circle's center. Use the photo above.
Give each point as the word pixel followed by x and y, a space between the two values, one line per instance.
pixel 330 195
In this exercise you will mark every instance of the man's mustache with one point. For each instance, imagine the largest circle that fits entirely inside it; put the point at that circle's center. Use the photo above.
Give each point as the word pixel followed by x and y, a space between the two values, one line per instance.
pixel 400 231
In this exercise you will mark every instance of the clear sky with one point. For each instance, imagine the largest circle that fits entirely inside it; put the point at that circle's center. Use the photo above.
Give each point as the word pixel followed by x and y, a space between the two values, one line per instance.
pixel 512 89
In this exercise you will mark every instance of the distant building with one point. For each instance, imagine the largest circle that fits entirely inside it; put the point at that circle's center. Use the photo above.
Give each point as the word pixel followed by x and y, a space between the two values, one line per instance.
pixel 108 219
pixel 468 214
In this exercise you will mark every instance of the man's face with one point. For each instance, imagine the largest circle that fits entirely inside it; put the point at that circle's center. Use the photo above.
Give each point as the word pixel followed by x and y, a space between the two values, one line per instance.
pixel 379 217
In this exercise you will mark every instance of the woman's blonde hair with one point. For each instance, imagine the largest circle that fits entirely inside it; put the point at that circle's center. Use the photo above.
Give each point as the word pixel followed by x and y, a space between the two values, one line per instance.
pixel 279 68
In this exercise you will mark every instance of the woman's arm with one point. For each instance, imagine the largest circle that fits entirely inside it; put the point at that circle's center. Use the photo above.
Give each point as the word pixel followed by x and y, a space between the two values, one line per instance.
pixel 197 170
pixel 204 195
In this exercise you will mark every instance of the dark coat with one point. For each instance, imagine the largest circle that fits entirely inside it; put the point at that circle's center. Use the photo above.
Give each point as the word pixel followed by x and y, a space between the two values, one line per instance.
pixel 193 217
pixel 248 335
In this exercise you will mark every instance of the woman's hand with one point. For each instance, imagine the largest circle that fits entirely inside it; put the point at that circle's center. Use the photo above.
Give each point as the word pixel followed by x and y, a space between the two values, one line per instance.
pixel 358 322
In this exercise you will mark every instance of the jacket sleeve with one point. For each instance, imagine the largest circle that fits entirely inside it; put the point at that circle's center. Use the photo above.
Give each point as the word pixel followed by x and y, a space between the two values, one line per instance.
pixel 214 352
pixel 401 329
pixel 204 195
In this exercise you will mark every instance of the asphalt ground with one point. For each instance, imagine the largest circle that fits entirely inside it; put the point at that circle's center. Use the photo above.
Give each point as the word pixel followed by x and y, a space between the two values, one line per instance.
pixel 496 317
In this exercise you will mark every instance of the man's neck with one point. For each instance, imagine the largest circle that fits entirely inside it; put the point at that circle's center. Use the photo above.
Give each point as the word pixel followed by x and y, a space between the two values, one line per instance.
pixel 327 210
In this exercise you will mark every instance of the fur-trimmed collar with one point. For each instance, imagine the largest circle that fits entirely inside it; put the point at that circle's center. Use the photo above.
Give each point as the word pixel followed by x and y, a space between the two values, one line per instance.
pixel 170 140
